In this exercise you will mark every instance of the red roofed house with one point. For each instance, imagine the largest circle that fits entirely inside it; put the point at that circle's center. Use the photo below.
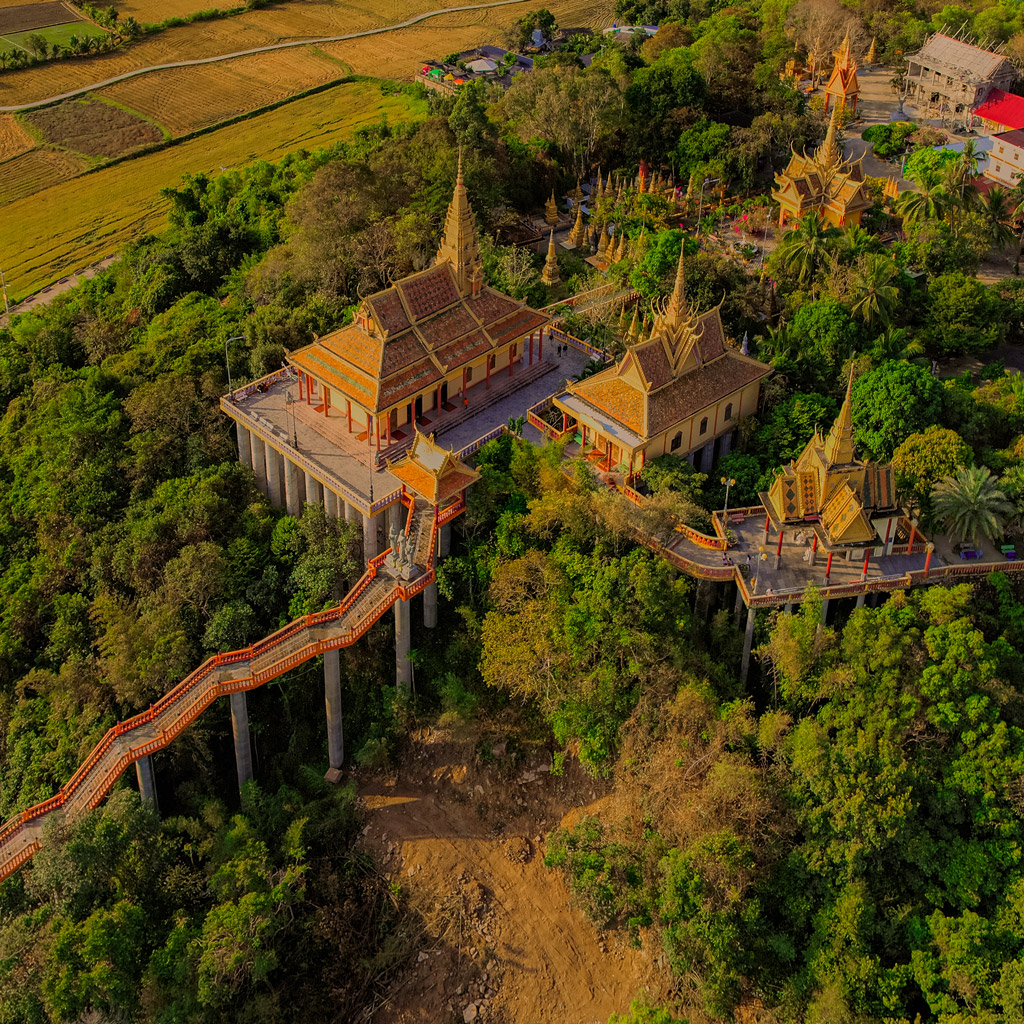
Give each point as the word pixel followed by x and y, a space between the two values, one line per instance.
pixel 1001 111
pixel 1006 158
pixel 676 393
pixel 424 345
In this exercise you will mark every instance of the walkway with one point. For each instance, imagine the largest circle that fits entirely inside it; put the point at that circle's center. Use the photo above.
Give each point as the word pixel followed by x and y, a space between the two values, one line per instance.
pixel 258 49
pixel 127 742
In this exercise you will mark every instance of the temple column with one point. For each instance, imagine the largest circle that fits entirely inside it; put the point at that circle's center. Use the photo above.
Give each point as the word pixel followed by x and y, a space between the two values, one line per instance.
pixel 331 503
pixel 314 490
pixel 814 550
pixel 332 699
pixel 259 463
pixel 370 549
pixel 146 780
pixel 244 446
pixel 707 456
pixel 444 541
pixel 292 496
pixel 430 605
pixel 748 643
pixel 240 731
pixel 403 633
pixel 860 600
pixel 824 611
pixel 778 550
pixel 274 474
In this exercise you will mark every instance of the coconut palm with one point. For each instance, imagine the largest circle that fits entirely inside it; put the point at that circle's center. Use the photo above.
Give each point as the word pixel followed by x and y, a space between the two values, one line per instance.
pixel 997 210
pixel 970 504
pixel 803 248
pixel 927 204
pixel 1016 198
pixel 854 241
pixel 872 290
pixel 894 343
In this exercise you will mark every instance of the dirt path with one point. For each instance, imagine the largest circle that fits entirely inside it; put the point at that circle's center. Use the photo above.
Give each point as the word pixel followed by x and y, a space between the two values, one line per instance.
pixel 507 944
pixel 258 49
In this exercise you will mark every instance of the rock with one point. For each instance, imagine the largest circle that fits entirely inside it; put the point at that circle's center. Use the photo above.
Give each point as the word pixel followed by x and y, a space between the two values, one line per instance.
pixel 469 1014
pixel 478 790
pixel 422 956
pixel 498 750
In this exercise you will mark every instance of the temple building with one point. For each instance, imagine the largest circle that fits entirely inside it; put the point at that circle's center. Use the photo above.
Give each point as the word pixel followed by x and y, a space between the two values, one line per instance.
pixel 433 472
pixel 843 504
pixel 680 392
pixel 425 346
pixel 842 88
pixel 825 182
pixel 949 76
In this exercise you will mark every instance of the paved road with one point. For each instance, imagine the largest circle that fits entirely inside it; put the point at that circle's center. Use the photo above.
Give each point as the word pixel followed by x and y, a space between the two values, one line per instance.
pixel 258 49
pixel 51 291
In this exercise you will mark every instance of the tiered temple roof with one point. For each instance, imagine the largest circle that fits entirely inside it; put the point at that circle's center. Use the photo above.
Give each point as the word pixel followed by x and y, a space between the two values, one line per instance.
pixel 842 87
pixel 825 182
pixel 414 334
pixel 432 471
pixel 682 368
pixel 829 489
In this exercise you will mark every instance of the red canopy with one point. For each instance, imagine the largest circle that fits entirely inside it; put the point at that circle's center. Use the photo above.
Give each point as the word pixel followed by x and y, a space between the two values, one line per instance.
pixel 1002 108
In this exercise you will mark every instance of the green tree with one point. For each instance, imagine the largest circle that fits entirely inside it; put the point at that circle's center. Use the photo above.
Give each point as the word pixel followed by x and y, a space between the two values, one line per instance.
pixel 468 121
pixel 963 315
pixel 970 504
pixel 873 293
pixel 923 459
pixel 804 247
pixel 891 402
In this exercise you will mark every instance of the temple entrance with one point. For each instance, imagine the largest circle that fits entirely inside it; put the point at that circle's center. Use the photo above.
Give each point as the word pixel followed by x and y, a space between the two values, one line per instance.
pixel 444 393
pixel 418 408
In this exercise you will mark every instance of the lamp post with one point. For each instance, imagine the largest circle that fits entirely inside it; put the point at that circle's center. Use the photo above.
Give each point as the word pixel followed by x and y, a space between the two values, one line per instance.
pixel 762 556
pixel 227 360
pixel 729 481
pixel 700 205
pixel 289 402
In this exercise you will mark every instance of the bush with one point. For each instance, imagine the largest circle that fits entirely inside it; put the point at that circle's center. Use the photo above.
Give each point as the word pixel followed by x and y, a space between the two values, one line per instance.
pixel 889 140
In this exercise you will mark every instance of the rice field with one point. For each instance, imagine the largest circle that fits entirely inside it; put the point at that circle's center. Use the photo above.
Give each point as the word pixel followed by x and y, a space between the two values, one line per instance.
pixel 93 128
pixel 184 100
pixel 22 176
pixel 155 11
pixel 13 138
pixel 64 227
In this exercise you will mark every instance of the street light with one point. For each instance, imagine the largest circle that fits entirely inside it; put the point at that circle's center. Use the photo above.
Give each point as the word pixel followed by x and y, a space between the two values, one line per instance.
pixel 728 481
pixel 700 207
pixel 762 556
pixel 227 361
pixel 290 405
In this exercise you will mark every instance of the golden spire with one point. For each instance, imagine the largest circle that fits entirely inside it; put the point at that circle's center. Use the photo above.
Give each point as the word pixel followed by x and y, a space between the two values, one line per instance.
pixel 602 242
pixel 634 329
pixel 842 55
pixel 839 443
pixel 676 308
pixel 622 320
pixel 551 210
pixel 550 275
pixel 830 155
pixel 459 247
pixel 620 250
pixel 578 234
pixel 870 58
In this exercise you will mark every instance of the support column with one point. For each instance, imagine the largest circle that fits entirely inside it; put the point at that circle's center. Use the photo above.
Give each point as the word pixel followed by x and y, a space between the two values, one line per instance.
pixel 430 605
pixel 147 782
pixel 314 490
pixel 244 446
pixel 331 504
pixel 739 605
pixel 444 541
pixel 860 600
pixel 778 550
pixel 292 497
pixel 403 632
pixel 707 456
pixel 240 730
pixel 789 607
pixel 335 730
pixel 725 444
pixel 824 611
pixel 259 463
pixel 370 549
pixel 748 643
pixel 275 490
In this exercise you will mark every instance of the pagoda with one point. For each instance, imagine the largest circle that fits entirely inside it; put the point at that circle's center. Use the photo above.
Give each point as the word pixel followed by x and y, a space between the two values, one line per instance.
pixel 847 504
pixel 420 347
pixel 825 182
pixel 432 472
pixel 679 391
pixel 842 88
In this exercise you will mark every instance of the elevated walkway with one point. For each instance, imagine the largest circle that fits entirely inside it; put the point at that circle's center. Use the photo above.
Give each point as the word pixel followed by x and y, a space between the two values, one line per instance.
pixel 377 590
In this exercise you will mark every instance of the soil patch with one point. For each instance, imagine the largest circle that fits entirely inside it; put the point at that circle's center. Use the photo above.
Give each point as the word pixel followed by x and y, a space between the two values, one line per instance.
pixel 503 941
pixel 28 17
pixel 94 128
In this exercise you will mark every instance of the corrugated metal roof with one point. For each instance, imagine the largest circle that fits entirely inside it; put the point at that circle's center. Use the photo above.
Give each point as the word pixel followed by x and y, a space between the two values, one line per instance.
pixel 957 59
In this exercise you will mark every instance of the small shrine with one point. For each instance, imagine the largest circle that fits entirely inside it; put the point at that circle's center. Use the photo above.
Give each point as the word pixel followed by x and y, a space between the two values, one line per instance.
pixel 842 88
pixel 848 505
pixel 431 471
pixel 825 182
pixel 550 274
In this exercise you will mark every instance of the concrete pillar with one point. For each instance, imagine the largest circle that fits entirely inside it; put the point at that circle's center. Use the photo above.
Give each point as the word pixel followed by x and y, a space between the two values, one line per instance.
pixel 240 730
pixel 244 446
pixel 275 470
pixel 444 541
pixel 351 513
pixel 259 463
pixel 789 607
pixel 335 730
pixel 332 504
pixel 403 632
pixel 292 494
pixel 430 605
pixel 314 490
pixel 739 605
pixel 147 782
pixel 707 456
pixel 860 600
pixel 725 444
pixel 370 549
pixel 748 643
pixel 824 611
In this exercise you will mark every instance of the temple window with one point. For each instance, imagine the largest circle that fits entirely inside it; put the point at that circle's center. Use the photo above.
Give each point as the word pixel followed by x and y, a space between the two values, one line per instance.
pixel 704 425
pixel 676 441
pixel 728 411
pixel 469 373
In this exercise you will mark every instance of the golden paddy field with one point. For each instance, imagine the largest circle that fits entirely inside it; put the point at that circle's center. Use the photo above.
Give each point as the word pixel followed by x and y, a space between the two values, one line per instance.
pixel 13 138
pixel 73 223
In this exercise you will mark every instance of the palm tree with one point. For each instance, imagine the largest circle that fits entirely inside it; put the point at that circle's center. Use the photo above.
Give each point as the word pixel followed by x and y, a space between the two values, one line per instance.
pixel 1016 197
pixel 854 241
pixel 998 214
pixel 780 343
pixel 970 504
pixel 927 204
pixel 893 343
pixel 803 248
pixel 872 290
